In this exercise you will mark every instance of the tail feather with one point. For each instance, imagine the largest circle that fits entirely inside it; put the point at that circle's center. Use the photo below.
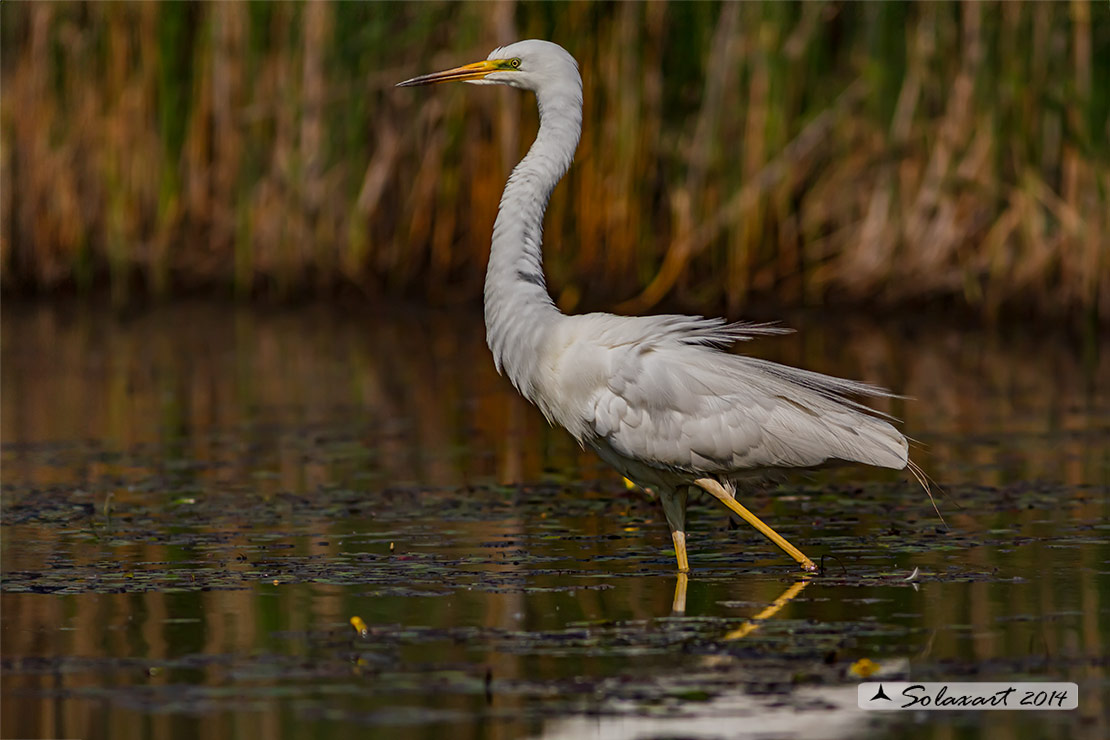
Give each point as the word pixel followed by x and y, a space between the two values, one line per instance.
pixel 826 386
pixel 923 479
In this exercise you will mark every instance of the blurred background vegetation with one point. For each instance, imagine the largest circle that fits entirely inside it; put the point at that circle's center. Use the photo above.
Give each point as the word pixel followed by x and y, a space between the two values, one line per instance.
pixel 881 154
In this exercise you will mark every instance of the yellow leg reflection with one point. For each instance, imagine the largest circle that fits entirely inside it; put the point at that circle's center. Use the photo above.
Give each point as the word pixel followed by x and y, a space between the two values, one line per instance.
pixel 679 604
pixel 753 624
pixel 714 488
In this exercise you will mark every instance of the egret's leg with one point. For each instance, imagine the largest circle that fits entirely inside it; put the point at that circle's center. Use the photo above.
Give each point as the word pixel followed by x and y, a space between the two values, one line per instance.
pixel 714 488
pixel 733 520
pixel 674 507
pixel 679 540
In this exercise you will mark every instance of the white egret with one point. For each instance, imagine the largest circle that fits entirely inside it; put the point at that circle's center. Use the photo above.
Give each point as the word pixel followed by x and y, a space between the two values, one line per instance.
pixel 657 397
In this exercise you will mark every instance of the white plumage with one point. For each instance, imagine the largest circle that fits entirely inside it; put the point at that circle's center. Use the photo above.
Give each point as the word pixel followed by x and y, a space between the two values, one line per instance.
pixel 657 397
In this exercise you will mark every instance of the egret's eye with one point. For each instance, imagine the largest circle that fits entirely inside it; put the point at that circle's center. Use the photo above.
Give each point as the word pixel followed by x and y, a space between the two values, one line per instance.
pixel 515 63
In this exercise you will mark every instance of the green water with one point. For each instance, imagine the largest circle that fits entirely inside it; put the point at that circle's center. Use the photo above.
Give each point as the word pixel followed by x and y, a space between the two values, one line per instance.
pixel 197 501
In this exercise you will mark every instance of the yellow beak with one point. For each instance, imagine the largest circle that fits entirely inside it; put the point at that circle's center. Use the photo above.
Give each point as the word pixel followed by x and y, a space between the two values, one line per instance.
pixel 475 71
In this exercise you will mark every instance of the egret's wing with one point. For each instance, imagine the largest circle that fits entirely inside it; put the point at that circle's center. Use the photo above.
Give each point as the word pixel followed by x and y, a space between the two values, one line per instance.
pixel 672 400
pixel 684 329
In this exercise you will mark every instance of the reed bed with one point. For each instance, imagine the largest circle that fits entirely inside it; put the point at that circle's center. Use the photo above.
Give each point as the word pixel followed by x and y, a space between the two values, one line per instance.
pixel 810 154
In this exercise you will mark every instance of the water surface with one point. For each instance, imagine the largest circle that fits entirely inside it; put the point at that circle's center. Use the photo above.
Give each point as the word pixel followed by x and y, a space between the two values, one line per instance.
pixel 197 500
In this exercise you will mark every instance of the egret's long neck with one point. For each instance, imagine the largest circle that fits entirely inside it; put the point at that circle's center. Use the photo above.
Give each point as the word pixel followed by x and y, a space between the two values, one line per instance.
pixel 519 311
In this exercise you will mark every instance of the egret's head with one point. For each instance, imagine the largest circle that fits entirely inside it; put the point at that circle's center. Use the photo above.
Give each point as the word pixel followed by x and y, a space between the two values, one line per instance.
pixel 529 65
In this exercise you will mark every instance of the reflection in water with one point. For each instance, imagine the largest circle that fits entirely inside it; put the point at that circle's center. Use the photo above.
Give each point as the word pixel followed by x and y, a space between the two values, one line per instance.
pixel 217 491
pixel 681 584
pixel 418 400
pixel 753 624
pixel 737 716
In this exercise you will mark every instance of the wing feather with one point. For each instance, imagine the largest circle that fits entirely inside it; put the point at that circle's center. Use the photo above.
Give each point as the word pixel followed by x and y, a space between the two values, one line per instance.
pixel 672 399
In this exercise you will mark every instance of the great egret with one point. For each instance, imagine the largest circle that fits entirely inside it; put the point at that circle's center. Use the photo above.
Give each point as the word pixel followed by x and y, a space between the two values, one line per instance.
pixel 655 396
